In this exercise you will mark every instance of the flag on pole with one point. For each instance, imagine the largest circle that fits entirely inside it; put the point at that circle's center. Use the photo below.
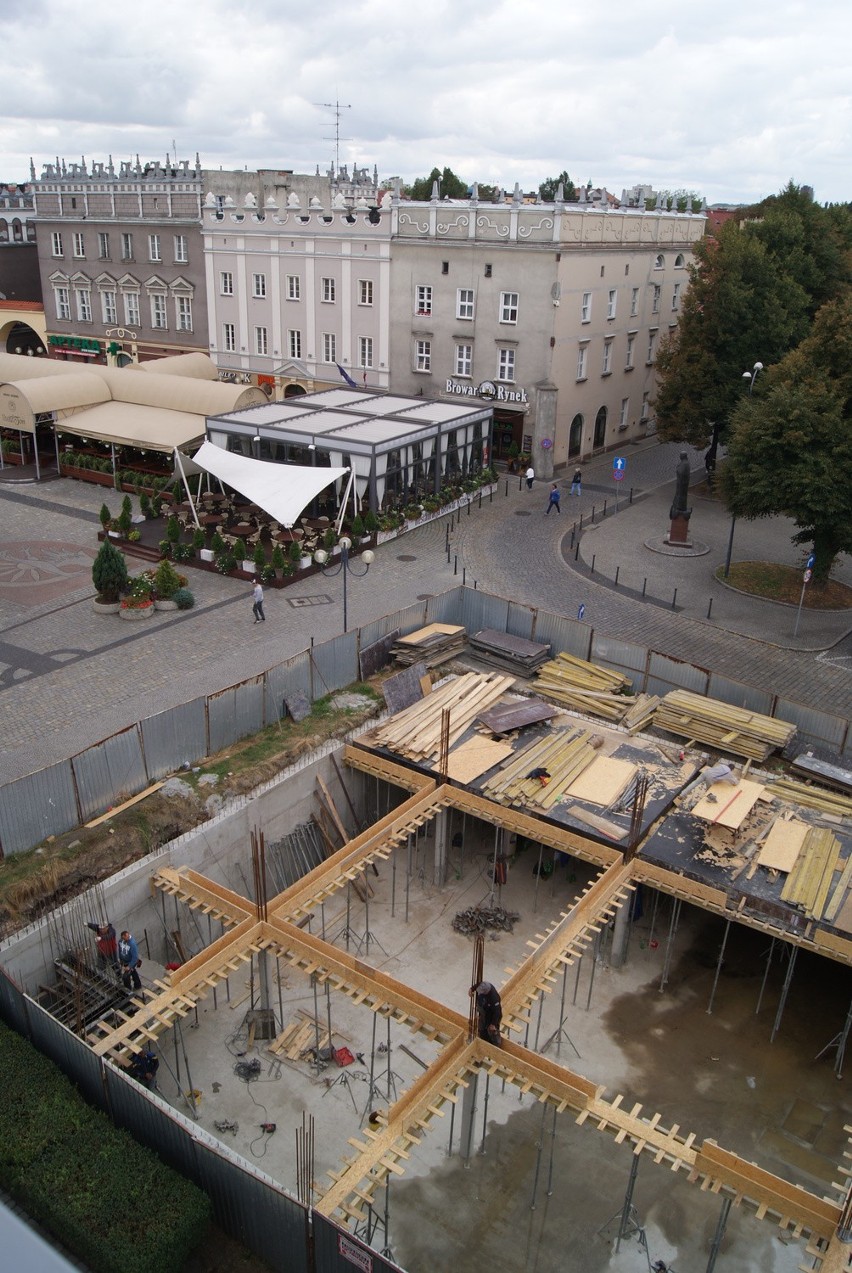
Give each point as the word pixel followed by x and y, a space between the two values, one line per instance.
pixel 347 378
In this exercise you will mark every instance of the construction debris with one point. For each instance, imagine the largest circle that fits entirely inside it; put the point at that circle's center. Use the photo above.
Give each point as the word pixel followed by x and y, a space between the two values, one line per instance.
pixel 586 687
pixel 434 644
pixel 727 728
pixel 517 655
pixel 809 881
pixel 477 918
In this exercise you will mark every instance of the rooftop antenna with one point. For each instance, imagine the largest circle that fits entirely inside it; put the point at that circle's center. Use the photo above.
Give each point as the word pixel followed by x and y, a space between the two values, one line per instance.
pixel 337 107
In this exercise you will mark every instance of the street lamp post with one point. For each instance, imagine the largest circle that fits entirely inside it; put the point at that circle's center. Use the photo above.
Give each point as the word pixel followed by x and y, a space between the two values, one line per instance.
pixel 750 376
pixel 344 567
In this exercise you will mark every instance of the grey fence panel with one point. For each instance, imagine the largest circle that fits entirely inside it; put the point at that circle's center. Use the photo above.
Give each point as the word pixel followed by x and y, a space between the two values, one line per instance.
pixel 407 620
pixel 739 695
pixel 335 664
pixel 337 1251
pixel 481 610
pixel 520 621
pixel 846 752
pixel 292 677
pixel 447 607
pixel 39 805
pixel 811 725
pixel 151 1122
pixel 563 634
pixel 109 772
pixel 174 737
pixel 665 674
pixel 621 656
pixel 255 1212
pixel 13 1006
pixel 68 1053
pixel 235 713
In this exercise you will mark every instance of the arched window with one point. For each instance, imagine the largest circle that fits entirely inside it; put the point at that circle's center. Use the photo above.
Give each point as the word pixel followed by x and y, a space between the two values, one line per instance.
pixel 660 262
pixel 680 261
pixel 600 429
pixel 575 436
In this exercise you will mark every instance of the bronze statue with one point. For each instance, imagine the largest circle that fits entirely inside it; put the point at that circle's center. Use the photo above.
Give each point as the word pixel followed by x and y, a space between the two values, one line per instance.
pixel 679 507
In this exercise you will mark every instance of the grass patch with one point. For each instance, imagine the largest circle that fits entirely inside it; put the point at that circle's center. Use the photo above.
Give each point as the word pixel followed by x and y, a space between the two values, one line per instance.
pixel 784 583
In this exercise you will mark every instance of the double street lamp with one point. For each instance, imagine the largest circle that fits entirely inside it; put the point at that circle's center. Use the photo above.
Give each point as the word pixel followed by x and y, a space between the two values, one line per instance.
pixel 750 376
pixel 345 566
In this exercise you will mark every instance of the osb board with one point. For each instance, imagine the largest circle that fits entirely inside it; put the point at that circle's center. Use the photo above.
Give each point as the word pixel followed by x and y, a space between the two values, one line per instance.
pixel 731 804
pixel 475 756
pixel 844 917
pixel 433 629
pixel 783 844
pixel 602 781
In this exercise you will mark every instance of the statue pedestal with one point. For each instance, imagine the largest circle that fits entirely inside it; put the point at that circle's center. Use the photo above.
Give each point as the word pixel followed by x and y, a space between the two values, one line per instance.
pixel 679 531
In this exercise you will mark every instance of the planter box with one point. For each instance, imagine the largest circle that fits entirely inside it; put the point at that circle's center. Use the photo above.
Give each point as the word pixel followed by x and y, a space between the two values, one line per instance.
pixel 105 607
pixel 137 613
pixel 249 566
pixel 87 475
pixel 164 603
pixel 206 554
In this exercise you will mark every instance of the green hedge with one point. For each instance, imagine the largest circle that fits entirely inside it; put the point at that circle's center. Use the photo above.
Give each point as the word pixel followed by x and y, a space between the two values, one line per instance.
pixel 110 1201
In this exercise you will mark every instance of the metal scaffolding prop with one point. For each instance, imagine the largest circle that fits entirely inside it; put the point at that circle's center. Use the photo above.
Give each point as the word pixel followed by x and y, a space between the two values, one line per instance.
pixel 381 1149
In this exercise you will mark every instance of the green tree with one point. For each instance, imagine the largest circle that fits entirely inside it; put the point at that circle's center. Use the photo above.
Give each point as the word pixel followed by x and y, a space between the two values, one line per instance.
pixel 449 186
pixel 790 448
pixel 548 188
pixel 109 572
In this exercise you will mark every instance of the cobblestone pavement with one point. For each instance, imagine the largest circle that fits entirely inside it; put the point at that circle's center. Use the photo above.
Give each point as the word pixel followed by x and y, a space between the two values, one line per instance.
pixel 69 677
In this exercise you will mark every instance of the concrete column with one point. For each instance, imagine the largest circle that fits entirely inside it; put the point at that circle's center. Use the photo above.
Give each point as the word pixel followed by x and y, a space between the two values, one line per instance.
pixel 468 1118
pixel 442 844
pixel 544 429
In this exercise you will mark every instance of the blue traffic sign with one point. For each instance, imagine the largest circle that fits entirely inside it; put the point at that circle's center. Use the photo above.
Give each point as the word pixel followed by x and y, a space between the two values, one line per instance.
pixel 581 612
pixel 809 564
pixel 619 463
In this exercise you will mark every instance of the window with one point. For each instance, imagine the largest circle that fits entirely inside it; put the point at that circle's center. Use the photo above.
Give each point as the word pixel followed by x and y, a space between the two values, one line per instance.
pixel 646 408
pixel 294 343
pixel 109 307
pixel 423 301
pixel 634 302
pixel 79 245
pixel 488 271
pixel 464 303
pixel 183 309
pixel 506 364
pixel 655 304
pixel 226 283
pixel 131 309
pixel 328 291
pixel 181 253
pixel 581 362
pixel 652 336
pixel 610 302
pixel 258 286
pixel 625 411
pixel 676 296
pixel 508 307
pixel 365 291
pixel 103 246
pixel 158 311
pixel 365 351
pixel 294 287
pixel 56 243
pixel 84 305
pixel 329 347
pixel 423 352
pixel 63 303
pixel 631 341
pixel 660 262
pixel 607 358
pixel 261 340
pixel 154 247
pixel 127 247
pixel 680 261
pixel 586 308
pixel 464 360
pixel 445 267
pixel 229 338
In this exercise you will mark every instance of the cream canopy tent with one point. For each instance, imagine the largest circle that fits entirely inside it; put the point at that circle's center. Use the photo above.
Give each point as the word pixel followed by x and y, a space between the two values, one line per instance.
pixel 282 490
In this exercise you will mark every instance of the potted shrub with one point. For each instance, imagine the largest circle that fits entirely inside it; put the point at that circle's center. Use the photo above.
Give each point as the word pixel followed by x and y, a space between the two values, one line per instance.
pixel 514 452
pixel 109 575
pixel 259 559
pixel 329 540
pixel 145 505
pixel 105 518
pixel 267 574
pixel 276 561
pixel 166 584
pixel 295 557
pixel 358 531
pixel 138 604
pixel 198 539
pixel 371 522
pixel 184 599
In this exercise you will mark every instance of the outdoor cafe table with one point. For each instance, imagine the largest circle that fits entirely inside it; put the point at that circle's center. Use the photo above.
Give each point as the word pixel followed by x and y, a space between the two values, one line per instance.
pixel 242 532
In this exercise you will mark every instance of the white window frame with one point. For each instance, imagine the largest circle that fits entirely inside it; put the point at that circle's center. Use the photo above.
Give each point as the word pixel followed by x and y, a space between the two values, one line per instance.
pixel 365 352
pixel 655 303
pixel 258 287
pixel 79 245
pixel 509 305
pixel 294 342
pixel 329 347
pixel 329 291
pixel 226 283
pixel 126 245
pixel 611 302
pixel 465 304
pixel 659 261
pixel 652 338
pixel 159 311
pixel 625 411
pixel 464 361
pixel 181 250
pixel 132 310
pixel 56 244
pixel 634 302
pixel 606 366
pixel 229 338
pixel 261 341
pixel 631 343
pixel 183 313
pixel 103 245
pixel 62 297
pixel 84 304
pixel 365 291
pixel 423 299
pixel 676 297
pixel 154 248
pixel 109 306
pixel 294 287
pixel 423 355
pixel 582 354
pixel 586 308
pixel 506 365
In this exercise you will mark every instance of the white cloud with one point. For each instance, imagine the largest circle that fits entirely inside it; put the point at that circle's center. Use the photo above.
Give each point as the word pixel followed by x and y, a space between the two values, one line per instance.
pixel 727 99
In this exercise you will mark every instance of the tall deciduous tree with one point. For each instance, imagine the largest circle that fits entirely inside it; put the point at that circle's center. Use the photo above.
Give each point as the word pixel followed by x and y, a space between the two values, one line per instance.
pixel 548 188
pixel 449 186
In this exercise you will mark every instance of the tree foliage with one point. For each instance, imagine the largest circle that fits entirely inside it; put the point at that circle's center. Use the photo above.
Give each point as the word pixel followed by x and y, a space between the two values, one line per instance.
pixel 449 186
pixel 548 188
pixel 109 572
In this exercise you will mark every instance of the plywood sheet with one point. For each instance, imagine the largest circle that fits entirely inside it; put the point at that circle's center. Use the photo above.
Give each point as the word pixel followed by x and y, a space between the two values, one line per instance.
pixel 603 781
pixel 474 757
pixel 783 844
pixel 730 805
pixel 431 630
pixel 844 919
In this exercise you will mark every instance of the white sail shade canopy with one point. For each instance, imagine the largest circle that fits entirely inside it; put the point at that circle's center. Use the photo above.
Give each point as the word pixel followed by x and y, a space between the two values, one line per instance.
pixel 282 490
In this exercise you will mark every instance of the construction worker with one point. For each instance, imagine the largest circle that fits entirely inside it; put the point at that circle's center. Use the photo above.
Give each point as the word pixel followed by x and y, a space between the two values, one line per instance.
pixel 128 958
pixel 489 1011
pixel 106 943
pixel 144 1068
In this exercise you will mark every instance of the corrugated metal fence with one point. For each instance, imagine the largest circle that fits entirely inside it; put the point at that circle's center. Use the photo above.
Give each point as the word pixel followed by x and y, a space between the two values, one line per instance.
pixel 59 798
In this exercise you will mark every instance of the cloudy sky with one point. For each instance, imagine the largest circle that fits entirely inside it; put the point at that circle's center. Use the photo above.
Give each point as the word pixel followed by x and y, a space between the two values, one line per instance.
pixel 726 98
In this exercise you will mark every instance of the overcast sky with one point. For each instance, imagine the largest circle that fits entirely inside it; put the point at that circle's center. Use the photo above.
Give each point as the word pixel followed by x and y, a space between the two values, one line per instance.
pixel 726 98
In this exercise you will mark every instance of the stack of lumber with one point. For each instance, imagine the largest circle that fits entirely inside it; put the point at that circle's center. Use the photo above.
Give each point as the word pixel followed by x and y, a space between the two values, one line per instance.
pixel 808 883
pixel 641 713
pixel 513 653
pixel 719 725
pixel 585 687
pixel 416 732
pixel 831 802
pixel 434 644
pixel 564 754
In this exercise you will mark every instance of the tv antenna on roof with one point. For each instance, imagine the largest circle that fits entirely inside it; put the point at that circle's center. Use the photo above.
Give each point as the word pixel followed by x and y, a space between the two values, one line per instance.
pixel 337 107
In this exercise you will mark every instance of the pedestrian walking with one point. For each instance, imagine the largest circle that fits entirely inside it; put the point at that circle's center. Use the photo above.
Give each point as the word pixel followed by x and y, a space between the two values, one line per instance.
pixel 553 501
pixel 530 477
pixel 129 961
pixel 257 608
pixel 106 942
pixel 577 482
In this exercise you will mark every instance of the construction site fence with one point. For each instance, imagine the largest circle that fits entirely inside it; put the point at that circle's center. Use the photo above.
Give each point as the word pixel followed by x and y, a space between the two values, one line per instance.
pixel 57 799
pixel 247 1204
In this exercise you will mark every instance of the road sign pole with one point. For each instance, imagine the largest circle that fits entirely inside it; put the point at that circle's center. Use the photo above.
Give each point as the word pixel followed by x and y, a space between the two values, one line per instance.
pixel 806 578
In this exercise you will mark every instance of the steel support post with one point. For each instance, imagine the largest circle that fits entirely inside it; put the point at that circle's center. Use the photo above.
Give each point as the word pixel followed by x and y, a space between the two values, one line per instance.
pixel 718 968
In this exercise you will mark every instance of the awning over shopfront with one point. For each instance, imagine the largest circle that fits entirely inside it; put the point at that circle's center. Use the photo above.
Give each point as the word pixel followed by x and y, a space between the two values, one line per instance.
pixel 282 490
pixel 127 424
